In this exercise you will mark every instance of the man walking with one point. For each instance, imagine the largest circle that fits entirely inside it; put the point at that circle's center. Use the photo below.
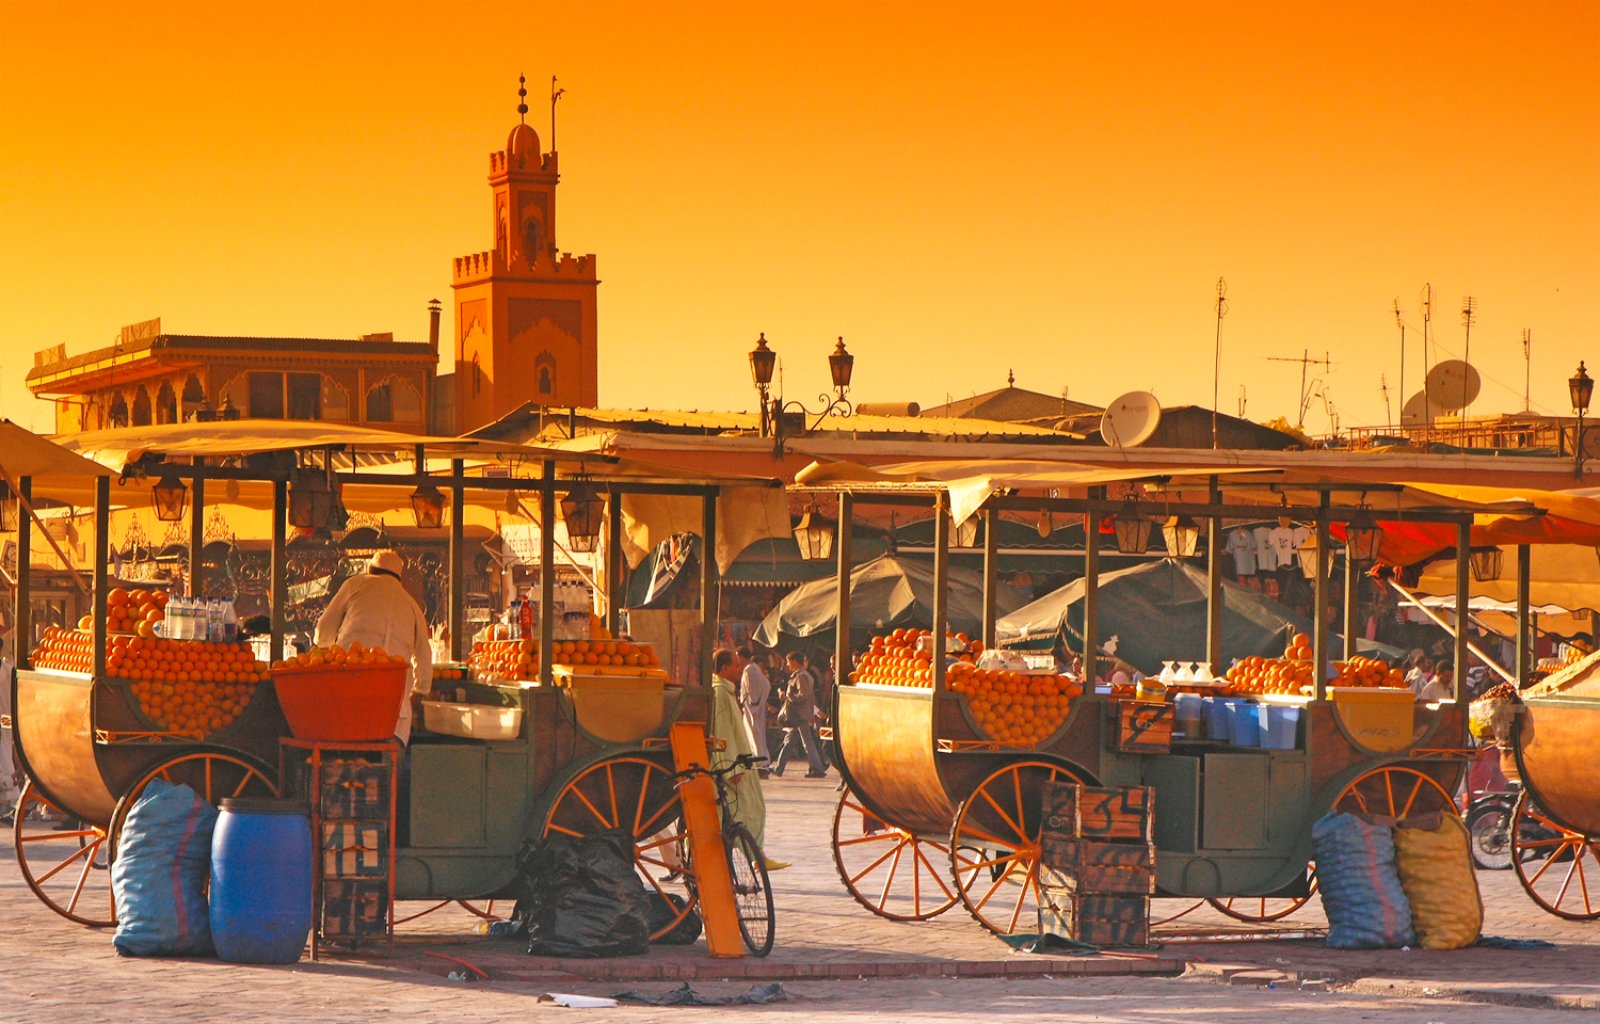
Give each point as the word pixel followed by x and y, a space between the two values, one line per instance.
pixel 754 689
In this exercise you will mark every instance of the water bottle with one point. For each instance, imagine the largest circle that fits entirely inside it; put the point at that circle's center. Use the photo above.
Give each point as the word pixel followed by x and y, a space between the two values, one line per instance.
pixel 175 623
pixel 230 623
pixel 214 621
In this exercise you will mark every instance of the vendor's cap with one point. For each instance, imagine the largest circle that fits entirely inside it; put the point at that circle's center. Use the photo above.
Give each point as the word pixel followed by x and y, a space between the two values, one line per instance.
pixel 386 561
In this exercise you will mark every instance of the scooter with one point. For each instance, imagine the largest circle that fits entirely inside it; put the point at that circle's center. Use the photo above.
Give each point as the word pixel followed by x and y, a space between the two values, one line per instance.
pixel 1488 820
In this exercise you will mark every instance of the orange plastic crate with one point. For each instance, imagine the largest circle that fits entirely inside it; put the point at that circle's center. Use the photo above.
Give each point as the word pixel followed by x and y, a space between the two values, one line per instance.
pixel 354 705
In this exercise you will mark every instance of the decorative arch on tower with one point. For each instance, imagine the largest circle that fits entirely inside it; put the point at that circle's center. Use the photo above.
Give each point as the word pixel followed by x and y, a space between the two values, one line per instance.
pixel 544 377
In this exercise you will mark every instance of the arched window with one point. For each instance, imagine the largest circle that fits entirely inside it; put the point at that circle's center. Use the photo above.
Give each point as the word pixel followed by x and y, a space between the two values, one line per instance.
pixel 547 383
pixel 194 396
pixel 166 404
pixel 141 408
pixel 393 400
pixel 545 375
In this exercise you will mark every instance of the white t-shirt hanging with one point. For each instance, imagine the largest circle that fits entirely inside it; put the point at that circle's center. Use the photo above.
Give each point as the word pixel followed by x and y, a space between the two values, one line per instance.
pixel 1242 546
pixel 1266 554
pixel 1282 538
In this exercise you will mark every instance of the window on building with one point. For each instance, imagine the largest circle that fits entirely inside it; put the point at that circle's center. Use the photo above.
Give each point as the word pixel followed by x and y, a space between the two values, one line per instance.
pixel 117 414
pixel 194 396
pixel 305 395
pixel 166 404
pixel 335 401
pixel 266 396
pixel 141 408
pixel 393 401
pixel 547 383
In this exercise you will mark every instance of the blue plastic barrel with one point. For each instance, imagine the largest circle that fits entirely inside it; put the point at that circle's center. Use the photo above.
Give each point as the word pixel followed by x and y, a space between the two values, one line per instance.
pixel 261 864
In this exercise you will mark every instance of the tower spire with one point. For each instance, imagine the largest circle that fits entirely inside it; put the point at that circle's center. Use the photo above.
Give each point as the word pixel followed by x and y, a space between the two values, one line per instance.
pixel 522 99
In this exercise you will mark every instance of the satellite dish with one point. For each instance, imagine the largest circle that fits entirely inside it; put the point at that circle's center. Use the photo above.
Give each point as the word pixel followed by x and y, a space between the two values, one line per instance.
pixel 1416 412
pixel 1130 420
pixel 1452 385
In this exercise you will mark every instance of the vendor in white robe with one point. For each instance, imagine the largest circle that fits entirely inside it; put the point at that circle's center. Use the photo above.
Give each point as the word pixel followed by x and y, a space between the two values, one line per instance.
pixel 728 724
pixel 377 610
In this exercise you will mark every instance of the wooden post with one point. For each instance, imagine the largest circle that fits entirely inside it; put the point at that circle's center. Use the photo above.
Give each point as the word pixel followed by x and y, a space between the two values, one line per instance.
pixel 278 578
pixel 1463 617
pixel 1524 587
pixel 1319 604
pixel 1352 602
pixel 197 535
pixel 941 583
pixel 1214 584
pixel 458 534
pixel 991 559
pixel 842 540
pixel 22 630
pixel 1091 593
pixel 709 605
pixel 547 569
pixel 102 555
pixel 615 593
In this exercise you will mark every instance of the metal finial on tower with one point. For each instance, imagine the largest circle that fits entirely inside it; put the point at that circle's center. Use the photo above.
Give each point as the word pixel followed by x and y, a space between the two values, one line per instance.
pixel 1011 378
pixel 522 98
pixel 555 94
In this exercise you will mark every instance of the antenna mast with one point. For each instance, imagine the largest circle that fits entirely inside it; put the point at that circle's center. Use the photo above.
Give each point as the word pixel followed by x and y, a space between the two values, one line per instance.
pixel 1241 401
pixel 1216 372
pixel 1469 310
pixel 1527 363
pixel 555 94
pixel 1383 385
pixel 1305 361
pixel 1427 319
pixel 1400 320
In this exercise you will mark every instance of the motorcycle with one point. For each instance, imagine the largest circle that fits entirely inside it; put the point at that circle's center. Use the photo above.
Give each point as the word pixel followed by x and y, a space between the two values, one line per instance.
pixel 1488 820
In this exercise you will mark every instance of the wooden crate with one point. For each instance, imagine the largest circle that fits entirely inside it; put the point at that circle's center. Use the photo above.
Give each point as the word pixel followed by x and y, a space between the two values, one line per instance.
pixel 1099 920
pixel 1144 727
pixel 355 849
pixel 355 909
pixel 1099 812
pixel 1074 865
pixel 355 789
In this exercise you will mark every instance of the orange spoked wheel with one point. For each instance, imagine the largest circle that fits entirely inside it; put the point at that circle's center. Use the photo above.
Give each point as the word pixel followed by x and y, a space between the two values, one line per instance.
pixel 889 870
pixel 1394 791
pixel 1559 868
pixel 1260 909
pixel 994 846
pixel 478 909
pixel 641 796
pixel 64 861
pixel 216 775
pixel 1166 911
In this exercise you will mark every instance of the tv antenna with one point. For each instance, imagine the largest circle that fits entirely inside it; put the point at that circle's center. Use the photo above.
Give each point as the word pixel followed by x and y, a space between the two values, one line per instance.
pixel 1216 370
pixel 1242 400
pixel 1400 321
pixel 1469 310
pixel 1306 360
pixel 555 94
pixel 1383 386
pixel 1427 319
pixel 1527 363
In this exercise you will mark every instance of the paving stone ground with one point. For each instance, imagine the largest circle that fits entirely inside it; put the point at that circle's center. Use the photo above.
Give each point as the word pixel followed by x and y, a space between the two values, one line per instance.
pixel 835 961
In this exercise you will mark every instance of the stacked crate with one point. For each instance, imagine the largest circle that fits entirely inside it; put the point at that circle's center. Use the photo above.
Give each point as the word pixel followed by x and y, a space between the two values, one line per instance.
pixel 1097 863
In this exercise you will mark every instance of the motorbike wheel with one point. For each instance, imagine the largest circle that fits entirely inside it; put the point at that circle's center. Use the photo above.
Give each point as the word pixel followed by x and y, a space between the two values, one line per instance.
pixel 1489 829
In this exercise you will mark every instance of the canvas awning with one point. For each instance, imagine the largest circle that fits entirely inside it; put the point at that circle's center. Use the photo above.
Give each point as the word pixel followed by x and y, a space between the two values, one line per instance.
pixel 24 453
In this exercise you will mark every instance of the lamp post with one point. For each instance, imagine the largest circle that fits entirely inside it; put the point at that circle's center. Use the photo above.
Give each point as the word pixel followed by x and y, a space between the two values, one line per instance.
pixel 1581 388
pixel 763 361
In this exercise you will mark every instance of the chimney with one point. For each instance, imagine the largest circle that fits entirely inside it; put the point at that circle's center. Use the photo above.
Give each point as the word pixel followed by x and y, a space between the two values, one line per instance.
pixel 433 323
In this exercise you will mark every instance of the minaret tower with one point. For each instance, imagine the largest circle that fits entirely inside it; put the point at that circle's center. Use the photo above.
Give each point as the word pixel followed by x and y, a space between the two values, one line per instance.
pixel 525 312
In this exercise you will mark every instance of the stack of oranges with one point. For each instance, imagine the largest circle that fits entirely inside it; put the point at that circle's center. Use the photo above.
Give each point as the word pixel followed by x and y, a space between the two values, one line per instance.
pixel 505 659
pixel 905 657
pixel 519 659
pixel 357 655
pixel 1018 708
pixel 134 611
pixel 65 650
pixel 188 686
pixel 1292 674
pixel 603 653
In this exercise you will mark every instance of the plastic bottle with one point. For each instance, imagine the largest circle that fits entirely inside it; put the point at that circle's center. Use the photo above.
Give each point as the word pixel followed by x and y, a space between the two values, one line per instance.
pixel 230 622
pixel 214 621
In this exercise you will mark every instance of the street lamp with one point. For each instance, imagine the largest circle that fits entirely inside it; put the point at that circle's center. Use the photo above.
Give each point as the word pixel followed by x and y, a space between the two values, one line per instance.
pixel 581 509
pixel 1182 535
pixel 763 360
pixel 170 496
pixel 814 534
pixel 1581 389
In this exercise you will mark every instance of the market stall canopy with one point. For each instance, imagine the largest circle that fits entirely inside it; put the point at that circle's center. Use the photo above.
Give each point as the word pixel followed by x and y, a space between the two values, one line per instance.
pixel 1567 575
pixel 24 453
pixel 884 593
pixel 1157 611
pixel 1501 616
pixel 1507 516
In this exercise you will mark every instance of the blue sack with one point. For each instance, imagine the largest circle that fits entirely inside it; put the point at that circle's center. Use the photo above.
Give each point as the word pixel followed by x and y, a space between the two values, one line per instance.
pixel 159 877
pixel 1360 886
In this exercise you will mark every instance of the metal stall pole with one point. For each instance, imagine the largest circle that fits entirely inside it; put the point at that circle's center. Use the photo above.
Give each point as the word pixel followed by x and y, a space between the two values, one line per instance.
pixel 1319 604
pixel 22 618
pixel 102 555
pixel 1524 592
pixel 991 558
pixel 1091 592
pixel 614 591
pixel 1214 584
pixel 841 634
pixel 1463 566
pixel 941 582
pixel 547 569
pixel 1352 601
pixel 278 578
pixel 197 534
pixel 709 606
pixel 458 535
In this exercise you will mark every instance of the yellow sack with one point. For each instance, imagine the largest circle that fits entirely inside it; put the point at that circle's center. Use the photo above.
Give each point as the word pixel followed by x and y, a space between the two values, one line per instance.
pixel 1437 875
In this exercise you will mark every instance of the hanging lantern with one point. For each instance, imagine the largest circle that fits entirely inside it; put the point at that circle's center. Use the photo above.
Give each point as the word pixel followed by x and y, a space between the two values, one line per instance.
pixel 841 365
pixel 1363 538
pixel 1486 564
pixel 1182 535
pixel 427 506
pixel 170 496
pixel 1131 528
pixel 762 361
pixel 814 534
pixel 966 533
pixel 581 509
pixel 310 501
pixel 10 510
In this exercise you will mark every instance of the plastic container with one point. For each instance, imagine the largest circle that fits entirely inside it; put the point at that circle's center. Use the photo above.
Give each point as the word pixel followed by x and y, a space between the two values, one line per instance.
pixel 474 721
pixel 1244 725
pixel 261 864
pixel 1189 712
pixel 1279 725
pixel 1218 714
pixel 355 705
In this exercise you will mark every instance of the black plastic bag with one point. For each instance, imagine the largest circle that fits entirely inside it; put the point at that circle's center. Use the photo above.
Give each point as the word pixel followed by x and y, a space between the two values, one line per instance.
pixel 583 897
pixel 662 913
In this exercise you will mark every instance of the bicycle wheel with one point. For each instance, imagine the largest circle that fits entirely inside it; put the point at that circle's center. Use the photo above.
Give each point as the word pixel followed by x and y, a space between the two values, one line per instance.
pixel 752 890
pixel 1489 829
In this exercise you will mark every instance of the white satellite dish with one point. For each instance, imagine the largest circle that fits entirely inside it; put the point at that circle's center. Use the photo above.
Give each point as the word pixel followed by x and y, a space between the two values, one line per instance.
pixel 1130 420
pixel 1452 385
pixel 1416 412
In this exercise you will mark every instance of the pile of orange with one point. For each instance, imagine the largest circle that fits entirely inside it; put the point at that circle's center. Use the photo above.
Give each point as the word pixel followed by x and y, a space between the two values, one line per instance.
pixel 357 655
pixel 519 659
pixel 621 653
pixel 1292 674
pixel 905 657
pixel 505 659
pixel 65 650
pixel 134 611
pixel 187 686
pixel 1018 708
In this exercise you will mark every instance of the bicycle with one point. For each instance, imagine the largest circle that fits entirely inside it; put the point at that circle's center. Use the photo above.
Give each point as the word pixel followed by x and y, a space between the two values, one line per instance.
pixel 747 864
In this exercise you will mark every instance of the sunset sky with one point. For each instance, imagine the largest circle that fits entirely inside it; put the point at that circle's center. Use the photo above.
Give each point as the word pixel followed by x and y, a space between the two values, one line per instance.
pixel 957 189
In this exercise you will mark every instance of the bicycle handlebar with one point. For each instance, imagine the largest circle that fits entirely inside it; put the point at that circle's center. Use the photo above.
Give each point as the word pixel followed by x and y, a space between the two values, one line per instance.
pixel 741 762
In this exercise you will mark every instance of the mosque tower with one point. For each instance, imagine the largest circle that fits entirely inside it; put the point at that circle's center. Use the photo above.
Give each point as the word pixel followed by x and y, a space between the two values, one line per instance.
pixel 525 312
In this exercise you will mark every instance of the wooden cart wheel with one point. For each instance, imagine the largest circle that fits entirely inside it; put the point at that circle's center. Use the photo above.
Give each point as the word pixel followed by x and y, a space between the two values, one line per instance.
pixel 63 860
pixel 889 870
pixel 1166 911
pixel 1261 909
pixel 641 796
pixel 1559 868
pixel 214 774
pixel 476 909
pixel 1001 821
pixel 1394 791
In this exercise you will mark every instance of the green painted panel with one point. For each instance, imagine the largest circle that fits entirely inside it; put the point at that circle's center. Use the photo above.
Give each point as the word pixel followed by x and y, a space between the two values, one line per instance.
pixel 1234 802
pixel 448 784
pixel 1177 784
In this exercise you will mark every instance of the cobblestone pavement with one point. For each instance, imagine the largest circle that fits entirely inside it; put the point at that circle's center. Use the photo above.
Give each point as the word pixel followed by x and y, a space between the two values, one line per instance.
pixel 835 961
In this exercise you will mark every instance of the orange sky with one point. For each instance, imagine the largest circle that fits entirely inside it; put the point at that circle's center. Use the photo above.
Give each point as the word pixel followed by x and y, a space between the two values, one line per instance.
pixel 958 189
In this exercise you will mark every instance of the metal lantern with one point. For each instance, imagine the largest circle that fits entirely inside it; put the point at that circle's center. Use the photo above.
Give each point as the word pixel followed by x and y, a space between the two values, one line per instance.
pixel 814 534
pixel 427 506
pixel 1182 535
pixel 762 361
pixel 170 496
pixel 10 510
pixel 1486 564
pixel 841 364
pixel 1363 538
pixel 1132 529
pixel 966 533
pixel 310 501
pixel 1580 387
pixel 581 509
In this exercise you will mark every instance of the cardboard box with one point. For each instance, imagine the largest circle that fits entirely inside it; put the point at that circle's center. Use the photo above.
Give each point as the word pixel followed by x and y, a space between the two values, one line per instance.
pixel 1082 866
pixel 1099 812
pixel 1098 920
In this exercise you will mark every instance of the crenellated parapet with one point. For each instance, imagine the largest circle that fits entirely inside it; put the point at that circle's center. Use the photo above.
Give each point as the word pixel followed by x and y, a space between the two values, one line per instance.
pixel 480 265
pixel 504 162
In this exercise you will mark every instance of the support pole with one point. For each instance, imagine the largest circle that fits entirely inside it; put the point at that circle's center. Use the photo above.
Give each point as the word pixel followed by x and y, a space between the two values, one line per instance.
pixel 842 540
pixel 991 559
pixel 547 569
pixel 709 609
pixel 22 630
pixel 1463 616
pixel 1524 588
pixel 102 555
pixel 1352 601
pixel 1091 594
pixel 614 590
pixel 1319 604
pixel 458 535
pixel 941 584
pixel 278 572
pixel 1214 585
pixel 197 535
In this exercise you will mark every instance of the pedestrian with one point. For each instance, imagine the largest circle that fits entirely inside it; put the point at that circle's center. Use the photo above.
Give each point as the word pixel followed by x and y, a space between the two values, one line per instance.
pixel 754 689
pixel 376 610
pixel 728 724
pixel 796 717
pixel 1441 687
pixel 1419 672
